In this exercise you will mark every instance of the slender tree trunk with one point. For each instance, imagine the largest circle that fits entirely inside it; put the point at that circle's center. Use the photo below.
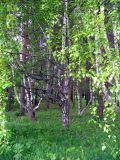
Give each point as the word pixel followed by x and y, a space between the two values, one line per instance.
pixel 100 107
pixel 71 90
pixel 108 24
pixel 10 92
pixel 74 94
pixel 88 90
pixel 22 99
pixel 22 94
pixel 49 87
pixel 79 97
pixel 65 105
pixel 31 112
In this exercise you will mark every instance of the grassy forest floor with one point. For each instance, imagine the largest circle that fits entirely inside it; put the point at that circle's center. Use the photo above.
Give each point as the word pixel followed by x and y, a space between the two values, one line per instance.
pixel 44 139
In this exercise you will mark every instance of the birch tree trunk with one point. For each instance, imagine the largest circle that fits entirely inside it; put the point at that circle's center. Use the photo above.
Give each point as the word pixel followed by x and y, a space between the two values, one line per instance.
pixel 100 107
pixel 65 105
pixel 26 90
pixel 22 94
pixel 48 87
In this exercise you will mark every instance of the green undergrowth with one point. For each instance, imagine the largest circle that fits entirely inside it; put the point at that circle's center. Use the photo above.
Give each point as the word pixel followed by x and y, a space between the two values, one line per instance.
pixel 43 139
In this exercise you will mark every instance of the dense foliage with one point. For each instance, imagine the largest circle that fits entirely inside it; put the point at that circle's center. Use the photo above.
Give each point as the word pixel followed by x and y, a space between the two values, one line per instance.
pixel 64 53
